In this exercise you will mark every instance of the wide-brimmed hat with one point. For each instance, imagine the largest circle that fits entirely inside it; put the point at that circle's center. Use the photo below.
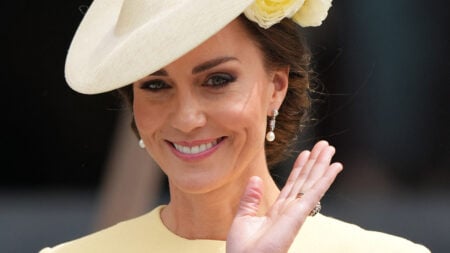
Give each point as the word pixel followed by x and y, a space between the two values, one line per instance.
pixel 121 41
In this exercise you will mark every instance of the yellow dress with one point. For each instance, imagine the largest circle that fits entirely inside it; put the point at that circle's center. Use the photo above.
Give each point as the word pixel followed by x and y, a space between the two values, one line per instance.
pixel 319 234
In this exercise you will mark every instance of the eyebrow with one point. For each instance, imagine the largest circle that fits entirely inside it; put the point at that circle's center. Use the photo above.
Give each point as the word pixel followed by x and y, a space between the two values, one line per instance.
pixel 212 63
pixel 202 67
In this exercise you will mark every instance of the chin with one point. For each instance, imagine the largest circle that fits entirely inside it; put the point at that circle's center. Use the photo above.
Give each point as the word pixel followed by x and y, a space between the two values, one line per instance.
pixel 201 181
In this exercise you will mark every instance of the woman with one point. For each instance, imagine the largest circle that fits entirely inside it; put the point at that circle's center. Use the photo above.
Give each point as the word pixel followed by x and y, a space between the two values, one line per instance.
pixel 218 91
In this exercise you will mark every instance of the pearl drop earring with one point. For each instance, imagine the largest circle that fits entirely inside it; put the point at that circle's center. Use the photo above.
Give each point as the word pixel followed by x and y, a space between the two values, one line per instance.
pixel 141 143
pixel 270 136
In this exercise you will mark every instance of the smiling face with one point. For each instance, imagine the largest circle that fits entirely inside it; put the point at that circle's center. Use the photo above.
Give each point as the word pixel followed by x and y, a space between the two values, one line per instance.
pixel 203 117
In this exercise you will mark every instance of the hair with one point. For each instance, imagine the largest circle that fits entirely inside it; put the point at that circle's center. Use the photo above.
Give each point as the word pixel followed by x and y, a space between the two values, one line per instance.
pixel 282 45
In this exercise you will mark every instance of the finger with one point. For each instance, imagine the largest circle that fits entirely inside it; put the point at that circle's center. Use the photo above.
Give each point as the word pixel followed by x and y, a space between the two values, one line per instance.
pixel 309 200
pixel 294 216
pixel 318 190
pixel 298 165
pixel 303 175
pixel 318 148
pixel 320 167
pixel 250 200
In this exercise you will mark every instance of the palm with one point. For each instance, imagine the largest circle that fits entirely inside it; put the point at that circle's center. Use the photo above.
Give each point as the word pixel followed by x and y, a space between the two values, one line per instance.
pixel 276 230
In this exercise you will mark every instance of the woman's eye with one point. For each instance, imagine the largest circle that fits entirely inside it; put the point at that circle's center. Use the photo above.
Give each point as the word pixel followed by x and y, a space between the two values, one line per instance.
pixel 154 85
pixel 219 80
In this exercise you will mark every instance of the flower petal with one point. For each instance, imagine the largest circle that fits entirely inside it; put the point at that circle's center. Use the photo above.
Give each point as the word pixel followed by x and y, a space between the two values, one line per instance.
pixel 312 13
pixel 269 12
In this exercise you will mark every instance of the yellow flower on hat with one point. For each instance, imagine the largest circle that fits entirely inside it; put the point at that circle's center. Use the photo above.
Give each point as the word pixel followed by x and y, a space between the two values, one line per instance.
pixel 312 13
pixel 269 12
pixel 304 12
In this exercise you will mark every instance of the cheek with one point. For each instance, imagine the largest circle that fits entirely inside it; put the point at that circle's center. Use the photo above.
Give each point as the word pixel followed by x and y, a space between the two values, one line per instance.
pixel 245 112
pixel 145 116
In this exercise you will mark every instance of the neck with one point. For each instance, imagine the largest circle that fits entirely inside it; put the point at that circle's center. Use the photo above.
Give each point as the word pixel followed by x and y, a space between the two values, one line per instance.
pixel 209 215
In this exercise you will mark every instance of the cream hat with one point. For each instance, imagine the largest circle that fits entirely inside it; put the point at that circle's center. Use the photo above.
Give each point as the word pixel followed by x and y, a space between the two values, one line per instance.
pixel 121 41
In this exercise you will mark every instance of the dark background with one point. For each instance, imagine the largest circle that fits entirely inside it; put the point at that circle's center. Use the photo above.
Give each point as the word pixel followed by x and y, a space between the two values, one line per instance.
pixel 384 104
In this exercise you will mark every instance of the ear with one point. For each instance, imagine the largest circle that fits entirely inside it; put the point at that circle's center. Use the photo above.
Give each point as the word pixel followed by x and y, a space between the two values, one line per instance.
pixel 280 81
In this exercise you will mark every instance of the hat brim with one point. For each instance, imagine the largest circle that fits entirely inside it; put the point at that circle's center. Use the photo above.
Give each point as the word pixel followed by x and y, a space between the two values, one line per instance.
pixel 102 57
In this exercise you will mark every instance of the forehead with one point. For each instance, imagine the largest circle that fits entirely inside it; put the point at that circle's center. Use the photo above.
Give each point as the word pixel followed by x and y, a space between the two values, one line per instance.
pixel 232 41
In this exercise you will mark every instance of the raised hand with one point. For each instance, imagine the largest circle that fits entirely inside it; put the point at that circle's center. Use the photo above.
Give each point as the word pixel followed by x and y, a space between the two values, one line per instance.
pixel 312 175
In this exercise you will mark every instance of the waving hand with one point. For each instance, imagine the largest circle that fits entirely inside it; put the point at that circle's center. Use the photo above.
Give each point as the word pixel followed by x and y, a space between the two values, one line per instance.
pixel 312 175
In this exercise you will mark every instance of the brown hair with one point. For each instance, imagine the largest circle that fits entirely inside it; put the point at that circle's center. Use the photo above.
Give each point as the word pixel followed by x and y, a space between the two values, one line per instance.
pixel 282 45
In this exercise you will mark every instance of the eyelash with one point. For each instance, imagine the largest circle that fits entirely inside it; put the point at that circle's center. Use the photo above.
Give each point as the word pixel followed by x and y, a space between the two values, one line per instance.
pixel 219 80
pixel 154 85
pixel 223 80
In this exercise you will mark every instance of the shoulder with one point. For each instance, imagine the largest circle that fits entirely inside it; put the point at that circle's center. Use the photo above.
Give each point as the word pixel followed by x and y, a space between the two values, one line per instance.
pixel 118 238
pixel 332 235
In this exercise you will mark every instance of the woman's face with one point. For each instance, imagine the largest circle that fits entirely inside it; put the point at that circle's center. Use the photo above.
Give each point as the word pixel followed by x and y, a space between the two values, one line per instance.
pixel 203 117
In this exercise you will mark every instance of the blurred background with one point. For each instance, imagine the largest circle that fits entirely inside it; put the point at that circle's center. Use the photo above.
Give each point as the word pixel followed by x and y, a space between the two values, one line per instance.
pixel 382 101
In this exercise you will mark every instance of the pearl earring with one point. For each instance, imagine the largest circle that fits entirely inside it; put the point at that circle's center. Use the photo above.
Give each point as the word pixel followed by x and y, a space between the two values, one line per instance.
pixel 270 136
pixel 141 143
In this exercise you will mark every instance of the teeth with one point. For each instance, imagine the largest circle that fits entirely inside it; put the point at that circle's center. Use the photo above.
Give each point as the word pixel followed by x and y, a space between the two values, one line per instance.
pixel 195 149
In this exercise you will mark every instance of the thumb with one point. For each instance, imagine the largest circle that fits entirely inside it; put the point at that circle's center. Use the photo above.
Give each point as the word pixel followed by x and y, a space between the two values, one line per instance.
pixel 251 198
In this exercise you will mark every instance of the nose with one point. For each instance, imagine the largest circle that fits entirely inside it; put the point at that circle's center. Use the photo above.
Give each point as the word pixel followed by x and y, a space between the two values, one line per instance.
pixel 188 113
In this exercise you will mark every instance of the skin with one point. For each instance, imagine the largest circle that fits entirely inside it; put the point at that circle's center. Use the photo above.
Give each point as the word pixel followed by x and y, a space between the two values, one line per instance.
pixel 222 91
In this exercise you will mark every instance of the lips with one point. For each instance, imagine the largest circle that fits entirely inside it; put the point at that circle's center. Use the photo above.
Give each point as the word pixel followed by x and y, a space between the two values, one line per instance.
pixel 196 148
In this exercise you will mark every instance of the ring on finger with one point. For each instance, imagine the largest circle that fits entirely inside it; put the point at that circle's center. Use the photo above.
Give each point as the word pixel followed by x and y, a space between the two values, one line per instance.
pixel 316 209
